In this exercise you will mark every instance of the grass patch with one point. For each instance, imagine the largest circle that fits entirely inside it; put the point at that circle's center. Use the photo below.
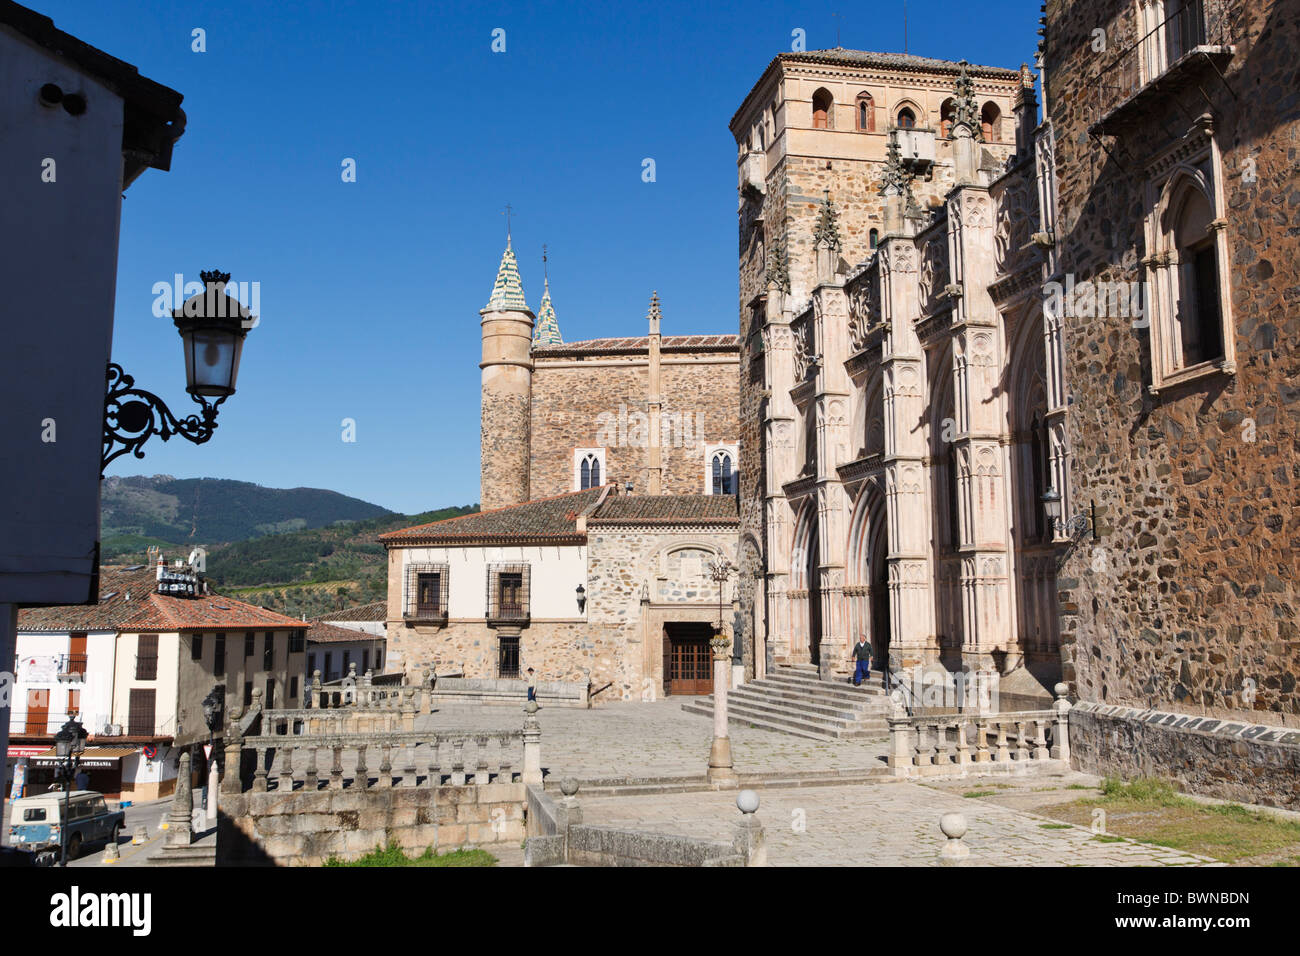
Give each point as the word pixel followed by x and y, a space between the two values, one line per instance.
pixel 971 794
pixel 393 856
pixel 1153 811
pixel 1080 786
pixel 1107 838
pixel 1056 826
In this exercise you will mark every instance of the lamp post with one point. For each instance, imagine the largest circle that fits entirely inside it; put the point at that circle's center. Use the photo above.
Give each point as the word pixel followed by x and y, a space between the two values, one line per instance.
pixel 212 326
pixel 722 771
pixel 69 745
pixel 213 706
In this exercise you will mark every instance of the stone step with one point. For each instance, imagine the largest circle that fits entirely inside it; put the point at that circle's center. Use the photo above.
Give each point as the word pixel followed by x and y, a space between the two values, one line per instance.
pixel 805 729
pixel 790 720
pixel 869 688
pixel 840 702
pixel 198 854
pixel 758 697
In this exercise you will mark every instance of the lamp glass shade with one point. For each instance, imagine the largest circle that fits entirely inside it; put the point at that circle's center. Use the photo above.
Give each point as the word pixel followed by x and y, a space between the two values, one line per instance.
pixel 211 361
pixel 63 744
pixel 1052 504
pixel 79 738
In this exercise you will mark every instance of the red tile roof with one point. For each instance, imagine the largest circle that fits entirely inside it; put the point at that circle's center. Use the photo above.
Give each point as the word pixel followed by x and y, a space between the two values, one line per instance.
pixel 667 509
pixel 128 601
pixel 376 611
pixel 322 632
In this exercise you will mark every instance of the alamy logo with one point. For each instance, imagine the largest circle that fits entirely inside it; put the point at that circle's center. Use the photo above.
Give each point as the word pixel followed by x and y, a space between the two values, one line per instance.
pixel 179 295
pixel 632 429
pixel 1096 300
pixel 75 909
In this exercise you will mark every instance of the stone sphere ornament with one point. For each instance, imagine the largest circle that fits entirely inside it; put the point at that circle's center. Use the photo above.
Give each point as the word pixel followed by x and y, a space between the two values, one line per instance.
pixel 954 852
pixel 569 787
pixel 747 801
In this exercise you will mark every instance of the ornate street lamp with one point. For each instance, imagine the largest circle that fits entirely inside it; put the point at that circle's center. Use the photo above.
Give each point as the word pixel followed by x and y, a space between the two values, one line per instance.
pixel 582 599
pixel 1073 527
pixel 69 745
pixel 212 326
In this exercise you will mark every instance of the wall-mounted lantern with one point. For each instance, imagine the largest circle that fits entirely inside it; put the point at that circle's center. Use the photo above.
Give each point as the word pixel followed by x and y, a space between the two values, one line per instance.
pixel 582 599
pixel 1074 527
pixel 212 326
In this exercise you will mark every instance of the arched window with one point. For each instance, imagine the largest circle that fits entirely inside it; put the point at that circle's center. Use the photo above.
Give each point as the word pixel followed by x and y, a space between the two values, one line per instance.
pixel 1200 321
pixel 590 472
pixel 991 123
pixel 875 238
pixel 906 118
pixel 947 113
pixel 823 106
pixel 588 468
pixel 724 476
pixel 866 113
pixel 1038 451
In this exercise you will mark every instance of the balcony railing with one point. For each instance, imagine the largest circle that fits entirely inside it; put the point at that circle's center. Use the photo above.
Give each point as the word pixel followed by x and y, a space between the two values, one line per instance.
pixel 1162 58
pixel 70 664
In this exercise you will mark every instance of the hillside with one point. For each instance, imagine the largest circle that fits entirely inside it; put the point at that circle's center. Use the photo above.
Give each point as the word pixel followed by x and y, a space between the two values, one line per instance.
pixel 315 570
pixel 179 512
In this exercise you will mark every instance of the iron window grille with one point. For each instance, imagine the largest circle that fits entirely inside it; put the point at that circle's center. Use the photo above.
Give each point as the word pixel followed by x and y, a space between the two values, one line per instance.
pixel 508 592
pixel 425 594
pixel 508 658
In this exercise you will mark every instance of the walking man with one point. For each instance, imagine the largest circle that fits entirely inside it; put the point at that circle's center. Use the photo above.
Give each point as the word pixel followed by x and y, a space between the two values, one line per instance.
pixel 862 654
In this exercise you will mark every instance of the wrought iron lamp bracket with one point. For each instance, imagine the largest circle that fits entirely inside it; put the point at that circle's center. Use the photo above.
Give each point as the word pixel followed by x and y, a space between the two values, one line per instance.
pixel 132 416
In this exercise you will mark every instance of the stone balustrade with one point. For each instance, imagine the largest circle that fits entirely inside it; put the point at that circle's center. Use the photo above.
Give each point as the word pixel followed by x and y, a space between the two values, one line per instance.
pixel 959 744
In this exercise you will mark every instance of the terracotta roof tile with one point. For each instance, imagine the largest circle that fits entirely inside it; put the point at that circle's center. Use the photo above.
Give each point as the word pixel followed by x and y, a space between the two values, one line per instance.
pixel 128 601
pixel 322 632
pixel 667 509
pixel 667 343
pixel 375 611
pixel 550 519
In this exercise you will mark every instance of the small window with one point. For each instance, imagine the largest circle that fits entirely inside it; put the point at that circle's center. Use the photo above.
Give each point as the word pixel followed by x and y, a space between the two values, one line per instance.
pixel 219 655
pixel 866 113
pixel 268 652
pixel 507 597
pixel 146 657
pixel 365 661
pixel 875 238
pixel 297 641
pixel 906 118
pixel 250 641
pixel 269 702
pixel 724 478
pixel 822 106
pixel 347 659
pixel 429 597
pixel 508 658
pixel 329 666
pixel 589 469
pixel 196 647
pixel 991 123
pixel 311 664
pixel 293 687
pixel 947 113
pixel 248 693
pixel 33 814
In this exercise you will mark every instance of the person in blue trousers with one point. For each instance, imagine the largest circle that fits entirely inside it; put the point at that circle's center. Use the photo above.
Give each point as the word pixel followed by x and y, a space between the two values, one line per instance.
pixel 862 654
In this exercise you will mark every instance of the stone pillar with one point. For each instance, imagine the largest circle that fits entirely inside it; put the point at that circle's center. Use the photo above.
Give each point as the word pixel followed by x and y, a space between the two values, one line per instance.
pixel 315 690
pixel 234 747
pixel 749 840
pixel 900 759
pixel 532 745
pixel 1061 727
pixel 179 831
pixel 721 774
pixel 780 429
pixel 213 782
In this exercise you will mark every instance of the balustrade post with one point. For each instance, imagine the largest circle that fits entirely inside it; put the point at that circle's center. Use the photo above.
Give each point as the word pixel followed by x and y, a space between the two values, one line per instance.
pixel 408 772
pixel 315 690
pixel 900 738
pixel 362 778
pixel 480 750
pixel 310 780
pixel 408 709
pixel 234 748
pixel 426 692
pixel 336 769
pixel 922 748
pixel 963 746
pixel 505 759
pixel 1022 742
pixel 1061 731
pixel 435 765
pixel 532 744
pixel 982 741
pixel 284 782
pixel 1003 753
pixel 259 770
pixel 941 756
pixel 1040 740
pixel 386 766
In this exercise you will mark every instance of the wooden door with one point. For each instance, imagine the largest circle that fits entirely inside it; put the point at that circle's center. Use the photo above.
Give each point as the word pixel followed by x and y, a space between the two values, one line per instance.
pixel 688 666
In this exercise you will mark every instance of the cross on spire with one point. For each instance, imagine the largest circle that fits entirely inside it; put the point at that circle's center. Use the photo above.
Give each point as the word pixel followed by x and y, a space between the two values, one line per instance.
pixel 508 210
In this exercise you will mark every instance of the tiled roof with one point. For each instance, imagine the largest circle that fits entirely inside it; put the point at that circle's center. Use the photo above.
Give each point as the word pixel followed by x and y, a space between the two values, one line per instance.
pixel 547 331
pixel 322 632
pixel 668 343
pixel 375 611
pixel 128 601
pixel 548 519
pixel 507 291
pixel 667 509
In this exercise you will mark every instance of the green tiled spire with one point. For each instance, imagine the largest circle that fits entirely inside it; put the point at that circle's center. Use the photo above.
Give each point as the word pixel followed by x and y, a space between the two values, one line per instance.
pixel 507 292
pixel 547 331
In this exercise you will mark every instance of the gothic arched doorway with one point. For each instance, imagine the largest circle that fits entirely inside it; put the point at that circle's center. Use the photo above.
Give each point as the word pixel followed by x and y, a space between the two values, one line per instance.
pixel 813 576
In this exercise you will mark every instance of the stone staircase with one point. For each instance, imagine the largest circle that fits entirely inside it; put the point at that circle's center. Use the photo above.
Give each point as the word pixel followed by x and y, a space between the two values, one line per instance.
pixel 794 700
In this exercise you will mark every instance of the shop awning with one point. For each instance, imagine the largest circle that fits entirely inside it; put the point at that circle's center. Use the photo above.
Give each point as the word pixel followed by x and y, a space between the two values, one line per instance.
pixel 27 750
pixel 94 758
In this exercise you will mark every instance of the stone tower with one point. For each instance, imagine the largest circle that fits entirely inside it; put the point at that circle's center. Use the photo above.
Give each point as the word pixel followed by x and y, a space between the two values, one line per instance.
pixel 507 366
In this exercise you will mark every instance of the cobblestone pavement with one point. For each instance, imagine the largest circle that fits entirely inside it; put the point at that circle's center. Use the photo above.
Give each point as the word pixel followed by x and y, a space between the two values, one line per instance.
pixel 657 739
pixel 879 824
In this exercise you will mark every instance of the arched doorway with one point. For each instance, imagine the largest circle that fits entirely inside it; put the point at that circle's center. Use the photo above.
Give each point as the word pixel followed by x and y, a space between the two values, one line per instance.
pixel 881 629
pixel 813 577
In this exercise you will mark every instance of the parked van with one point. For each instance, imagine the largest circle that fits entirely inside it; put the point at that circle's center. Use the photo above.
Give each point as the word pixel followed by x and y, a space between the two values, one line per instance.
pixel 35 822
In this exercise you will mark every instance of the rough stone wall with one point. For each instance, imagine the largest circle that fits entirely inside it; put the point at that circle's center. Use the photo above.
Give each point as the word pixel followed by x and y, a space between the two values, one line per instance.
pixel 306 828
pixel 1235 761
pixel 603 406
pixel 1189 600
pixel 503 449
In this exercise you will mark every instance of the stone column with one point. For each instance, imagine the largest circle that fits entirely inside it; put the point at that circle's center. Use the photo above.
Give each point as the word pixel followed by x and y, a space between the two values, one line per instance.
pixel 721 773
pixel 532 745
pixel 213 782
pixel 234 746
pixel 179 831
pixel 1061 728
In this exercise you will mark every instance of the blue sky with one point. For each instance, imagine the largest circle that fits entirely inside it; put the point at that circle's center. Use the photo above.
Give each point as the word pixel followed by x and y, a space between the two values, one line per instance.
pixel 370 290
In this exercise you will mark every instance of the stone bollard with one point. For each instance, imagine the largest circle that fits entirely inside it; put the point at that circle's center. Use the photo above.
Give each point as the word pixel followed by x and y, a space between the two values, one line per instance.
pixel 111 853
pixel 954 852
pixel 234 746
pixel 1061 730
pixel 569 802
pixel 179 830
pixel 532 745
pixel 900 759
pixel 749 841
pixel 141 835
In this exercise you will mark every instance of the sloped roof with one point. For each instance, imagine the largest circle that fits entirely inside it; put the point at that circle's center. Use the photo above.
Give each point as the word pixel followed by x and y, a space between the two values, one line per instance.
pixel 553 520
pixel 667 509
pixel 322 632
pixel 548 327
pixel 507 291
pixel 129 601
pixel 667 343
pixel 375 611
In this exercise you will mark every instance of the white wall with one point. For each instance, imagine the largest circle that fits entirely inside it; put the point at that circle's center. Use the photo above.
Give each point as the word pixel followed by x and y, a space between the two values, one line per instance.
pixel 165 684
pixel 59 270
pixel 96 688
pixel 554 575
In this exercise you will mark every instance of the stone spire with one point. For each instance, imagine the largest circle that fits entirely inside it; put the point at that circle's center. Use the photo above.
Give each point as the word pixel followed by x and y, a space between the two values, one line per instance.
pixel 547 331
pixel 778 267
pixel 827 232
pixel 966 109
pixel 507 292
pixel 654 315
pixel 894 179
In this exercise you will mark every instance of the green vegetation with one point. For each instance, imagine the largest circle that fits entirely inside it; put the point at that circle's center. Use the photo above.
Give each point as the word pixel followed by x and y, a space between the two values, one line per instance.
pixel 972 794
pixel 1153 811
pixel 392 855
pixel 1055 826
